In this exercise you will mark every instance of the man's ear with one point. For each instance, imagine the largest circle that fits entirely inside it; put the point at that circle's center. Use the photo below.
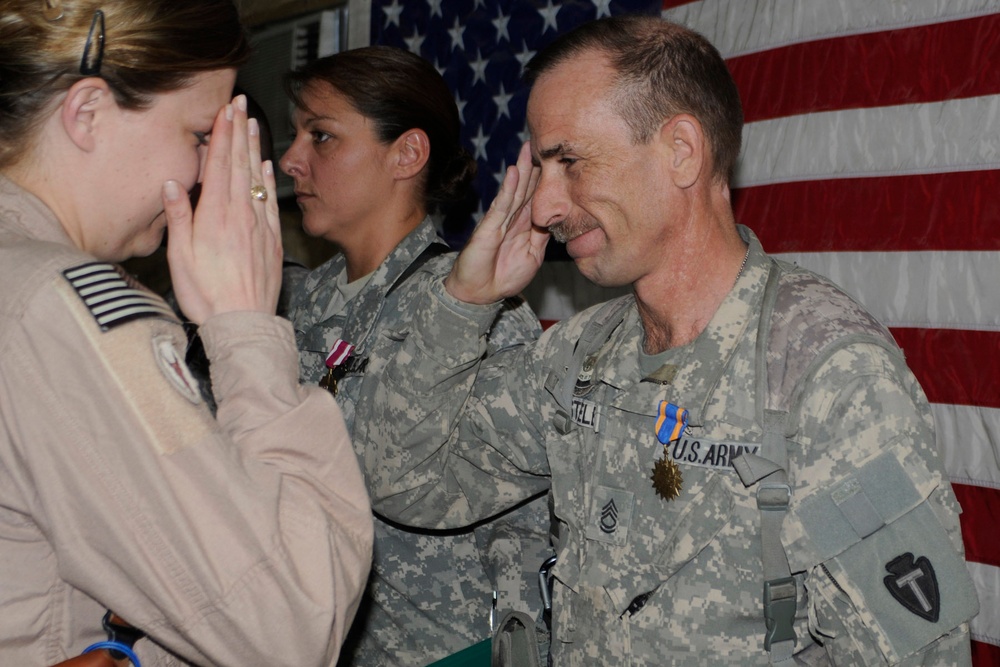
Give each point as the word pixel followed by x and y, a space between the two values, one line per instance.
pixel 686 149
pixel 413 150
pixel 83 108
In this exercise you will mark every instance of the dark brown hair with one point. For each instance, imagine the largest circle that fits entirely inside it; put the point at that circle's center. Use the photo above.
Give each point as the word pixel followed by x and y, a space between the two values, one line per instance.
pixel 663 69
pixel 150 47
pixel 398 91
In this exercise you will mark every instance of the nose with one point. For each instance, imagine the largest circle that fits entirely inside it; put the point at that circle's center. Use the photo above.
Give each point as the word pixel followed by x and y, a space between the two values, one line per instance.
pixel 550 202
pixel 291 162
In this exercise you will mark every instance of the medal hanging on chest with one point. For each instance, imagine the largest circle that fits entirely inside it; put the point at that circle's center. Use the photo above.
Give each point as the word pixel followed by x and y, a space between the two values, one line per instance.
pixel 670 425
pixel 335 364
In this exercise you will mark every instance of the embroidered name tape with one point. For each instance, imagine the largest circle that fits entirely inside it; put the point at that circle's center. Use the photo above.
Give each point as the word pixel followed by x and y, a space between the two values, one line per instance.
pixel 110 299
pixel 586 413
pixel 707 453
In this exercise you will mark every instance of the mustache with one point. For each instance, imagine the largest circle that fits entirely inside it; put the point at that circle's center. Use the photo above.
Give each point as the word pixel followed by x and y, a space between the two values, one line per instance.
pixel 570 228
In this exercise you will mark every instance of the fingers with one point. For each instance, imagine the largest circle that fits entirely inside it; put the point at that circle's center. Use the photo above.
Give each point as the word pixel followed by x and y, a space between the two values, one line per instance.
pixel 241 180
pixel 536 174
pixel 257 175
pixel 525 171
pixel 271 205
pixel 253 145
pixel 516 188
pixel 177 208
pixel 219 157
pixel 501 204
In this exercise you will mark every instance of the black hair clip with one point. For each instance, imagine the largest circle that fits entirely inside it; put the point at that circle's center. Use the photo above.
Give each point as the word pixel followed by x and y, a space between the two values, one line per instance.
pixel 93 50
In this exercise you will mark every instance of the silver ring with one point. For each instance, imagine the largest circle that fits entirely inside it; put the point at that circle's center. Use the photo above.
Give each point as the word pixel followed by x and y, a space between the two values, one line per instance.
pixel 258 192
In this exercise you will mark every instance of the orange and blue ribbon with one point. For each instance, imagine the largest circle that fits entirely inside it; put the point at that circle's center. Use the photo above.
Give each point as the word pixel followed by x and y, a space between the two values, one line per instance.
pixel 671 423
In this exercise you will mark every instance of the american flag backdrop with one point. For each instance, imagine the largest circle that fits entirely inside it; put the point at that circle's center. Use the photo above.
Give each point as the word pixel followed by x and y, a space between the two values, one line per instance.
pixel 871 155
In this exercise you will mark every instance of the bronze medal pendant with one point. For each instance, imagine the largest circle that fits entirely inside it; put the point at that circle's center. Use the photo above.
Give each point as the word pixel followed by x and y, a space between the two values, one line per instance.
pixel 336 364
pixel 667 478
pixel 329 381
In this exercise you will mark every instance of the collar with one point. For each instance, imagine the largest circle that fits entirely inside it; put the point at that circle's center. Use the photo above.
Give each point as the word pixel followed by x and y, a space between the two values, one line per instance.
pixel 360 314
pixel 27 214
pixel 711 353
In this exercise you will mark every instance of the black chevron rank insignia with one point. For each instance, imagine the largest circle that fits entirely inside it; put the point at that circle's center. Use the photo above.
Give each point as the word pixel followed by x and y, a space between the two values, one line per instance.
pixel 609 517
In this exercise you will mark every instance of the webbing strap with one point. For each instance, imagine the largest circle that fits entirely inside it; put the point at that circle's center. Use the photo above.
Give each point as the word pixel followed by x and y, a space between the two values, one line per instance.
pixel 595 333
pixel 433 250
pixel 773 494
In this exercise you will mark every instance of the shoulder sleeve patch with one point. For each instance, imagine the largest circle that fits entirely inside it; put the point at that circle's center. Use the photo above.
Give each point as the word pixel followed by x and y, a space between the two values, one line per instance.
pixel 111 298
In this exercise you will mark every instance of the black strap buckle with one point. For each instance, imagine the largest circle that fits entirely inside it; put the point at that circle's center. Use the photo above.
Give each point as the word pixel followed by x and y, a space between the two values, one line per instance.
pixel 779 611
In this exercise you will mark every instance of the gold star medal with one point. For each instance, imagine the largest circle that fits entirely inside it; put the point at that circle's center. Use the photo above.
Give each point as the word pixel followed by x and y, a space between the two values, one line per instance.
pixel 667 478
pixel 670 425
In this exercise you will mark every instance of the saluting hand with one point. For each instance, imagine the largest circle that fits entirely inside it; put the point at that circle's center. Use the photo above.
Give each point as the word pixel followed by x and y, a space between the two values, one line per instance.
pixel 226 255
pixel 505 250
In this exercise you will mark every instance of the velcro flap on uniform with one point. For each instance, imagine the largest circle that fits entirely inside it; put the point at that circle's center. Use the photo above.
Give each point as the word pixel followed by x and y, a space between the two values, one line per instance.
pixel 907 582
pixel 877 494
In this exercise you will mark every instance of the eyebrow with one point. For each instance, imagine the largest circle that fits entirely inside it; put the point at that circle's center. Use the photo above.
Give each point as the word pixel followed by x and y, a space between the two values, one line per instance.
pixel 558 149
pixel 306 120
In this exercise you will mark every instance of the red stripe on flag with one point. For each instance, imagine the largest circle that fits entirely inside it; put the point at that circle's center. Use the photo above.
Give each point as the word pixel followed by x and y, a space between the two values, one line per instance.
pixel 980 507
pixel 943 211
pixel 957 366
pixel 930 63
pixel 985 655
pixel 667 4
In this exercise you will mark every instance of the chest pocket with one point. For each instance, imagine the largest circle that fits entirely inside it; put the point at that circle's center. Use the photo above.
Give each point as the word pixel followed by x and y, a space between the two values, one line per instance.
pixel 646 538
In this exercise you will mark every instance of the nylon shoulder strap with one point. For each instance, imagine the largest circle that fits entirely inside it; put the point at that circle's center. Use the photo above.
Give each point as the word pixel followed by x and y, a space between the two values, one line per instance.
pixel 595 333
pixel 771 476
pixel 433 250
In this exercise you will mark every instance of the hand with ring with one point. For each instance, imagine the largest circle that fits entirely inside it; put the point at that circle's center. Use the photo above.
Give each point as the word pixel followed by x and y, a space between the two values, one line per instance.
pixel 226 255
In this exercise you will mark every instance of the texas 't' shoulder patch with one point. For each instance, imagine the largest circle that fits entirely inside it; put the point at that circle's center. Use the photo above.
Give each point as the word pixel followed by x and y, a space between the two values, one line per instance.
pixel 913 583
pixel 110 298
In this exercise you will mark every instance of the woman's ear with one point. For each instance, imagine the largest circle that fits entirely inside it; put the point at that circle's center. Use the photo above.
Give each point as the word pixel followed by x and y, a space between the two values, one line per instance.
pixel 413 150
pixel 82 111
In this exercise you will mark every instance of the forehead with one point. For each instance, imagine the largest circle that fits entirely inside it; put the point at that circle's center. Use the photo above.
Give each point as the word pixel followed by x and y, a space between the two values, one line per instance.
pixel 571 99
pixel 207 92
pixel 321 100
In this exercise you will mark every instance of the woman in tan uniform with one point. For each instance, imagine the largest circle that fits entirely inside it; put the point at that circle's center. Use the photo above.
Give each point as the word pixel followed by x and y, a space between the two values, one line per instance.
pixel 242 540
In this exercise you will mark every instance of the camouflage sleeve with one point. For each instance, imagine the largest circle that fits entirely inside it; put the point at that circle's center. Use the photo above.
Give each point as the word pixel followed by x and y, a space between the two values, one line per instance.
pixel 874 522
pixel 438 458
pixel 515 324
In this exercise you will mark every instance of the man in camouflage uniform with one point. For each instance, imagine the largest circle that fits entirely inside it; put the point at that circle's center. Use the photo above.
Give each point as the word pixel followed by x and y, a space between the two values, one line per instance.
pixel 743 469
pixel 430 593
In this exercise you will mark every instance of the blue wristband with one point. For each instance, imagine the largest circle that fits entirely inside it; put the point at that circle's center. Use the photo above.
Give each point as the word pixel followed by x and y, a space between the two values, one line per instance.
pixel 116 646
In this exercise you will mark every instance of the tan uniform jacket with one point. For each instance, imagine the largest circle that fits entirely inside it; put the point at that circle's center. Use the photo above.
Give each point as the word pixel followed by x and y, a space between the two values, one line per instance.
pixel 243 541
